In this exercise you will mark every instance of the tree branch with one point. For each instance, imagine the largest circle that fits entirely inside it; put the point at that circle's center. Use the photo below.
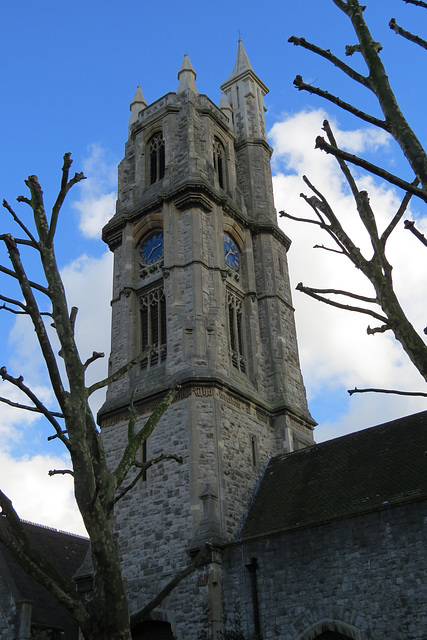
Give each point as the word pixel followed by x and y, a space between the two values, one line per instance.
pixel 17 405
pixel 33 285
pixel 118 374
pixel 283 214
pixel 33 241
pixel 337 62
pixel 65 187
pixel 96 355
pixel 136 440
pixel 407 34
pixel 382 329
pixel 194 564
pixel 63 472
pixel 143 468
pixel 393 391
pixel 19 383
pixel 314 293
pixel 410 224
pixel 398 216
pixel 303 86
pixel 372 168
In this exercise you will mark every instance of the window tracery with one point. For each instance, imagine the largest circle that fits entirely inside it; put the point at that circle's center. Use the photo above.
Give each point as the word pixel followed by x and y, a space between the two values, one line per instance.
pixel 219 161
pixel 235 324
pixel 156 149
pixel 153 326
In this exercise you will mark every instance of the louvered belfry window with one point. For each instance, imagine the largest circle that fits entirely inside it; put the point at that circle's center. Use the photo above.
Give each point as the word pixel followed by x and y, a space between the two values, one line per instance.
pixel 219 161
pixel 156 147
pixel 153 327
pixel 235 324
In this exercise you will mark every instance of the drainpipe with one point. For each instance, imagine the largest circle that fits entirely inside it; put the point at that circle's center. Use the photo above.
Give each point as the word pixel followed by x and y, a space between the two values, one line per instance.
pixel 252 568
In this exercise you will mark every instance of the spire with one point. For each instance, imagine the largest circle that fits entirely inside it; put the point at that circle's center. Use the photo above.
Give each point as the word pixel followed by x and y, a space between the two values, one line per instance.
pixel 242 71
pixel 138 103
pixel 225 106
pixel 242 63
pixel 186 76
pixel 245 92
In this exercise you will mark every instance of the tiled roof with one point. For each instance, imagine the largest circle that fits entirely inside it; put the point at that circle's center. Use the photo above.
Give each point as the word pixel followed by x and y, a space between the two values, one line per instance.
pixel 67 551
pixel 363 471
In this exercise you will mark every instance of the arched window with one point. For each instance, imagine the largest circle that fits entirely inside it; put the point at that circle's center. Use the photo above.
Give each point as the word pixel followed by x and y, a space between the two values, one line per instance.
pixel 235 324
pixel 153 327
pixel 156 148
pixel 219 162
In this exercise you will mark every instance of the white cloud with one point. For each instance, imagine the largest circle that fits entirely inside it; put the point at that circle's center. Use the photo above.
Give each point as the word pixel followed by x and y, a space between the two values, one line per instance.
pixel 336 353
pixel 36 496
pixel 23 472
pixel 97 193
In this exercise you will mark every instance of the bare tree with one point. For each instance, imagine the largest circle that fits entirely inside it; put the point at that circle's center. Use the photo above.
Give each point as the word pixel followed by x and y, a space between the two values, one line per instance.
pixel 97 487
pixel 384 305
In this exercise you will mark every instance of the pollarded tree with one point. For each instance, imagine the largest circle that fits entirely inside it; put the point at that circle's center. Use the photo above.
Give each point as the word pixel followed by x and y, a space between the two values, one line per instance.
pixel 384 305
pixel 97 488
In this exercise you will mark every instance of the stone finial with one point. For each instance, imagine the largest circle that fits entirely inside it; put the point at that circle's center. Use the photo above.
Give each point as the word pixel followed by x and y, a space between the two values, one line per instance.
pixel 138 103
pixel 186 76
pixel 225 106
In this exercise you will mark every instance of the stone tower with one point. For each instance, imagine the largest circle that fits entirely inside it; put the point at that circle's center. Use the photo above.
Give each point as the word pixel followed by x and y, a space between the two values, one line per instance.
pixel 201 280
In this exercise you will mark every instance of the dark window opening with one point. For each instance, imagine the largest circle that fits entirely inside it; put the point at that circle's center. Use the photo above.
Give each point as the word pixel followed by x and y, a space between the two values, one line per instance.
pixel 156 148
pixel 153 327
pixel 219 162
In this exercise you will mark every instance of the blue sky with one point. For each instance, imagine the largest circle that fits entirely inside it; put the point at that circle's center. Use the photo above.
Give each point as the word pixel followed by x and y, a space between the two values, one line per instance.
pixel 68 73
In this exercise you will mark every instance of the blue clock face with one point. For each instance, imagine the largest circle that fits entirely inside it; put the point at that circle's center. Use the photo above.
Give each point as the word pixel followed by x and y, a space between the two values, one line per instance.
pixel 231 252
pixel 152 249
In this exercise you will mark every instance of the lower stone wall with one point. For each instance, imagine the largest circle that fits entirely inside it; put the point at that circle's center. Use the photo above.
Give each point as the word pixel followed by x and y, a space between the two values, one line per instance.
pixel 365 575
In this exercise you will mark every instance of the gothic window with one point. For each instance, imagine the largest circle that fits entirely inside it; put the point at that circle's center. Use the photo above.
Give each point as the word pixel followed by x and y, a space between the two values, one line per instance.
pixel 156 148
pixel 235 324
pixel 219 161
pixel 153 327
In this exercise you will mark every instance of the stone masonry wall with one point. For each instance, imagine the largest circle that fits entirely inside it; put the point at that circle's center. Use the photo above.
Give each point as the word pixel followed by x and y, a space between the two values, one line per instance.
pixel 367 572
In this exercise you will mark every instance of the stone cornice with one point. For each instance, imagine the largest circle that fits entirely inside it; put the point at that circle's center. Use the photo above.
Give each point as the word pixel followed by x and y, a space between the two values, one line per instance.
pixel 204 387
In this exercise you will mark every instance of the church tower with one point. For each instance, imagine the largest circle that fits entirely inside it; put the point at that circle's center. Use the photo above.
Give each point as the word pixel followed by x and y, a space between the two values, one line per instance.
pixel 201 281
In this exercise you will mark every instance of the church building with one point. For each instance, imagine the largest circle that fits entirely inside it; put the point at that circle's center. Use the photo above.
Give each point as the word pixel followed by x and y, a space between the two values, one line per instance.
pixel 302 541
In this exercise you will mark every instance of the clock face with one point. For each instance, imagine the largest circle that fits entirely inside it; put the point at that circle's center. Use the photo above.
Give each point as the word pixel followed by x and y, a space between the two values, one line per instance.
pixel 231 252
pixel 152 249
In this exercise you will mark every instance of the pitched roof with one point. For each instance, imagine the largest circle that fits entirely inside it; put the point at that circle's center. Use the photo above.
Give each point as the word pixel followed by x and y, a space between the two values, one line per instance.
pixel 67 551
pixel 363 471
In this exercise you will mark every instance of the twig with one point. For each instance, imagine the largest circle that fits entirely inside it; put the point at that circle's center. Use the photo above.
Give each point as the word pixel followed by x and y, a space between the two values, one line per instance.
pixel 19 383
pixel 21 224
pixel 410 224
pixel 366 117
pixel 393 391
pixel 407 34
pixel 143 467
pixel 17 405
pixel 325 53
pixel 63 472
pixel 96 355
pixel 313 294
pixel 372 168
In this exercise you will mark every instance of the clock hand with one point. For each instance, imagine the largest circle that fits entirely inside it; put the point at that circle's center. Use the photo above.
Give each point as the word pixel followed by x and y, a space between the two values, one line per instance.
pixel 153 249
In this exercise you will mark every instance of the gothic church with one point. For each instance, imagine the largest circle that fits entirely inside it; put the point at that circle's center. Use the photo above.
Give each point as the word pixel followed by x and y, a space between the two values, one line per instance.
pixel 307 542
pixel 305 538
pixel 201 283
